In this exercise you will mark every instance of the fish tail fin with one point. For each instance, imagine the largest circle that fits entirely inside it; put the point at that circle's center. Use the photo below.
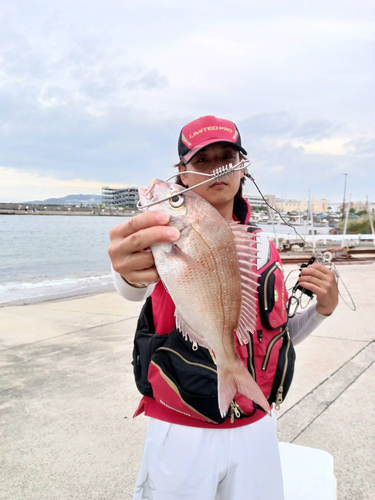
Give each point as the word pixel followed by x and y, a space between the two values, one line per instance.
pixel 233 379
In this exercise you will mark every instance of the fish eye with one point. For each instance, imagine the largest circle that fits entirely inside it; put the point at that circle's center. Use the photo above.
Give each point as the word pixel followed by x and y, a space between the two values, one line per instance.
pixel 177 200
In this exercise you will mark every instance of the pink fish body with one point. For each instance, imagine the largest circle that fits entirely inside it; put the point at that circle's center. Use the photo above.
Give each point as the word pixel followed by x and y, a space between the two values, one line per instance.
pixel 208 273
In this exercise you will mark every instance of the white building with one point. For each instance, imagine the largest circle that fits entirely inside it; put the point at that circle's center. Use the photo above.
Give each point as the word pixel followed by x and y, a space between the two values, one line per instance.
pixel 126 197
pixel 257 201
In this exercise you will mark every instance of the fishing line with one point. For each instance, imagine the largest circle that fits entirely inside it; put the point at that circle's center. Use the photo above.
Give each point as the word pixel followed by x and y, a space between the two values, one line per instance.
pixel 275 210
pixel 229 169
pixel 338 278
pixel 319 257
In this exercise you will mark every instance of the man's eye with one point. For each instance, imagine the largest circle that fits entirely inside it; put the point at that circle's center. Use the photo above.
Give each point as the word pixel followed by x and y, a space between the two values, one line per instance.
pixel 201 160
pixel 228 156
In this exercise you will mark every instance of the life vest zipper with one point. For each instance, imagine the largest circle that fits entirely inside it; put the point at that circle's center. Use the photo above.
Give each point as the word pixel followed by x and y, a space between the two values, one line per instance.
pixel 269 349
pixel 234 411
pixel 279 394
pixel 277 264
pixel 265 285
pixel 250 347
pixel 185 360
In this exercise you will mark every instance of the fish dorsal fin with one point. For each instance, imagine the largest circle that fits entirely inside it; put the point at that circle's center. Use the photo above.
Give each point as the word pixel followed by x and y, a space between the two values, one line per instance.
pixel 247 255
pixel 187 332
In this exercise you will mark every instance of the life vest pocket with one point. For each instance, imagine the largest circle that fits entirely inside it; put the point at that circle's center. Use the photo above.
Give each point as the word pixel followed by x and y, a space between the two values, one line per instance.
pixel 283 375
pixel 185 380
pixel 146 341
pixel 272 297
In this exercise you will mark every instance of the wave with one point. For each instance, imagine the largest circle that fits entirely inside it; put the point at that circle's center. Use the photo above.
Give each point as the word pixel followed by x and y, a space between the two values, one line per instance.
pixel 12 291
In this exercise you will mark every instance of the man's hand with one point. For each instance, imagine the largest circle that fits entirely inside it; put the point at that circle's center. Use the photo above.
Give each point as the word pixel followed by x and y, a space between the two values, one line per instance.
pixel 321 281
pixel 130 242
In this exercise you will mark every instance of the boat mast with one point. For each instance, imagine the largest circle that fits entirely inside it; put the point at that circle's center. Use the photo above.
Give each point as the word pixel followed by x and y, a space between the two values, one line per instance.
pixel 371 221
pixel 346 221
pixel 312 223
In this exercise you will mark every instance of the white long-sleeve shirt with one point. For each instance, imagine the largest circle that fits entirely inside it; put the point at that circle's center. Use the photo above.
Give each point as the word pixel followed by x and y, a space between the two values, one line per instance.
pixel 300 326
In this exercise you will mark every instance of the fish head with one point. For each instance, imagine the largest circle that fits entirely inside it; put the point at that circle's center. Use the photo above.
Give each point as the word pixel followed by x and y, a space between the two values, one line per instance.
pixel 166 195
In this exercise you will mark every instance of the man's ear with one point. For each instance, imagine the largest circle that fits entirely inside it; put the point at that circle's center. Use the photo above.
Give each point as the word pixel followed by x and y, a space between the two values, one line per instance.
pixel 183 177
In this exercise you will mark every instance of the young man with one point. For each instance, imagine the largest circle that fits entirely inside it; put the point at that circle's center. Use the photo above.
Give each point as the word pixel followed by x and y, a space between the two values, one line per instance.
pixel 192 458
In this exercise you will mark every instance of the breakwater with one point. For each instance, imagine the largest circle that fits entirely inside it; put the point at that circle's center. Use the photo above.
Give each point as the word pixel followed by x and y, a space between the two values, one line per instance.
pixel 37 209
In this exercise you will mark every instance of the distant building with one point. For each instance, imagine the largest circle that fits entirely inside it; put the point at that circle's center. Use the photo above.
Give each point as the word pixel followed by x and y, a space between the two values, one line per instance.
pixel 318 206
pixel 359 206
pixel 257 201
pixel 291 205
pixel 126 197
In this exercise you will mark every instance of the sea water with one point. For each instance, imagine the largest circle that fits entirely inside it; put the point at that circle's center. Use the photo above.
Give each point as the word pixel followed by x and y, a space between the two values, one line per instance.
pixel 46 256
pixel 42 257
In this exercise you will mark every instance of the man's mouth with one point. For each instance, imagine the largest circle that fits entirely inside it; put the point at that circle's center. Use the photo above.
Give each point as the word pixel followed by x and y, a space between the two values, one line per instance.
pixel 218 183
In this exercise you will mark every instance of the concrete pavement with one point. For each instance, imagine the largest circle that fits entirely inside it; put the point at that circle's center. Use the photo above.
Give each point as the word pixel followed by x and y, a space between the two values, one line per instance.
pixel 68 395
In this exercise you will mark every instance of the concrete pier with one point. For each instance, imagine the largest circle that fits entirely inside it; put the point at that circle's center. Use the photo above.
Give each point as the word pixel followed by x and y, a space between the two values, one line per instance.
pixel 68 396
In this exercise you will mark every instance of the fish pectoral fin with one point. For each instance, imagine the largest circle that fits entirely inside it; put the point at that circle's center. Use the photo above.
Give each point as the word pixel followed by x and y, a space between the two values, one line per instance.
pixel 177 253
pixel 188 333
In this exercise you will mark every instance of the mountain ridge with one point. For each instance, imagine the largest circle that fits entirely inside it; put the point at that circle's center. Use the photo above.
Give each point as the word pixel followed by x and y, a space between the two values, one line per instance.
pixel 70 199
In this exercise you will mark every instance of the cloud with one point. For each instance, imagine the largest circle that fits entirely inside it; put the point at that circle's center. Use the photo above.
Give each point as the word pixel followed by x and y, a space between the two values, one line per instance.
pixel 93 92
pixel 336 146
pixel 26 186
pixel 150 80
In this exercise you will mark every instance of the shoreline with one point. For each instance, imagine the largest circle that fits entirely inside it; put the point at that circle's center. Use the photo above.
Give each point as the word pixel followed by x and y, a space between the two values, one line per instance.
pixel 92 290
pixel 61 296
pixel 75 213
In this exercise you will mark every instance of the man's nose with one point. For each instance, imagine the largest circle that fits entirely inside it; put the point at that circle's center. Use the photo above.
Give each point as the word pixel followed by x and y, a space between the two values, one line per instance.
pixel 215 164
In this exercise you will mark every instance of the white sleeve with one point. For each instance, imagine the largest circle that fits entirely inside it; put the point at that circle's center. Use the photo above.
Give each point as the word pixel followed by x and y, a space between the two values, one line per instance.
pixel 130 292
pixel 301 325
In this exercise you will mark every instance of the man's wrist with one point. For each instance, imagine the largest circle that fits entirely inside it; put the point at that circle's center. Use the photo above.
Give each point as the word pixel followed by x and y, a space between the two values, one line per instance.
pixel 135 285
pixel 322 311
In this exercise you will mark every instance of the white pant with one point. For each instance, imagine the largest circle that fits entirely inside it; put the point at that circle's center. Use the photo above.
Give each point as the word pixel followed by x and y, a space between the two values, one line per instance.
pixel 191 463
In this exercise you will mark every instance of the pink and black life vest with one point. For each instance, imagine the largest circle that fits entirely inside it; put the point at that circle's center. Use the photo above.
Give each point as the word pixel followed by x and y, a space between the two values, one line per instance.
pixel 179 380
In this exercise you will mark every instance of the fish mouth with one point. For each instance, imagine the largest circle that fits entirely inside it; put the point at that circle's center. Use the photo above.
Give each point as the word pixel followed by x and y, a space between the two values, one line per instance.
pixel 147 193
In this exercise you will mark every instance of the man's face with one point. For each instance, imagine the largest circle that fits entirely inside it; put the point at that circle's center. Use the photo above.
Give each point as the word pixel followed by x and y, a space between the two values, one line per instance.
pixel 222 191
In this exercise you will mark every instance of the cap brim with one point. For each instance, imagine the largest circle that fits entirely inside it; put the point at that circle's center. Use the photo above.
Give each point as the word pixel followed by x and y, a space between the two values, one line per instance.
pixel 190 155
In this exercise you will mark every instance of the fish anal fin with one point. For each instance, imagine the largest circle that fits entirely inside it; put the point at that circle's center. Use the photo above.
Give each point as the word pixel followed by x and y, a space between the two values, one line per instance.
pixel 188 333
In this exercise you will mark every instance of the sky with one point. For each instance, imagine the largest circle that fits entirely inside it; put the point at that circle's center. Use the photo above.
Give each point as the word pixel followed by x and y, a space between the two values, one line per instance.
pixel 95 93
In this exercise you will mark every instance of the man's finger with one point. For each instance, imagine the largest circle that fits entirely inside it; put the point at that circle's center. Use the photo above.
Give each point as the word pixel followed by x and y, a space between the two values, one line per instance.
pixel 312 279
pixel 138 222
pixel 146 237
pixel 310 286
pixel 140 261
pixel 320 267
pixel 313 271
pixel 147 276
